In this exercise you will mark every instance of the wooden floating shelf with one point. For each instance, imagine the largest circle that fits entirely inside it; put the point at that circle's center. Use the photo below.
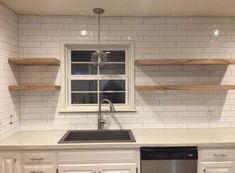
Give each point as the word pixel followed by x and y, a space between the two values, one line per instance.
pixel 185 87
pixel 34 61
pixel 34 87
pixel 151 62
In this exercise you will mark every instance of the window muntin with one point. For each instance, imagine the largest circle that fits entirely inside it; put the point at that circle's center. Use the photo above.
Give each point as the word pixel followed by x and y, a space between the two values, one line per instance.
pixel 89 83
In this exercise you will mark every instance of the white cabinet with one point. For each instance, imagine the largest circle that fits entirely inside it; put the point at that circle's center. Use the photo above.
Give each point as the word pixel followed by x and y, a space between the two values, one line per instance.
pixel 9 163
pixel 218 167
pixel 218 170
pixel 39 158
pixel 78 168
pixel 39 162
pixel 117 168
pixel 98 168
pixel 217 161
pixel 71 161
pixel 99 161
pixel 39 169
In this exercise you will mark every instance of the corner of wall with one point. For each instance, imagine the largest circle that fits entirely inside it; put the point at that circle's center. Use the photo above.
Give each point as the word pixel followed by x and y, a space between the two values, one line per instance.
pixel 9 101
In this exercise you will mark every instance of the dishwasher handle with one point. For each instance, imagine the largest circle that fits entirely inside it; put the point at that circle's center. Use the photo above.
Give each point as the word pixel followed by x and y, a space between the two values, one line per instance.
pixel 169 153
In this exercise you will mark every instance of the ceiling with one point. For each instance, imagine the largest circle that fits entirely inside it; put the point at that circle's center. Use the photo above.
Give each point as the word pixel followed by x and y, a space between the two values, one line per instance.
pixel 125 7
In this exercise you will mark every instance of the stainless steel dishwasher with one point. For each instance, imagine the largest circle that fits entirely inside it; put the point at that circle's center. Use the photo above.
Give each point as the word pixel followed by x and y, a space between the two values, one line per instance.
pixel 169 159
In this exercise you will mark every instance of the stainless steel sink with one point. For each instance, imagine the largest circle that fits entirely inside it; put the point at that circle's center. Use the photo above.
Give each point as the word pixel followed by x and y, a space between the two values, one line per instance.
pixel 94 136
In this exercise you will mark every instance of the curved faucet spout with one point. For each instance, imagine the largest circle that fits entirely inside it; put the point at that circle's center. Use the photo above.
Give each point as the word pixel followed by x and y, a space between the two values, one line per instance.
pixel 101 120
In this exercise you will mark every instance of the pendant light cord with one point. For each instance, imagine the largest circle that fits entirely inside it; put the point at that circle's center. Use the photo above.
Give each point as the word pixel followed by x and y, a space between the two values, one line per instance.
pixel 99 32
pixel 98 56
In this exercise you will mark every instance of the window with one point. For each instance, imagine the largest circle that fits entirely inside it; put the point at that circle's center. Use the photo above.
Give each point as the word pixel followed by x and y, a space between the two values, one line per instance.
pixel 88 83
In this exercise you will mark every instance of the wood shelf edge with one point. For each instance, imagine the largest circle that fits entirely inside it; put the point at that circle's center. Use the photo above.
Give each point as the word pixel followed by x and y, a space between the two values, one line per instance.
pixel 184 87
pixel 34 61
pixel 151 62
pixel 34 87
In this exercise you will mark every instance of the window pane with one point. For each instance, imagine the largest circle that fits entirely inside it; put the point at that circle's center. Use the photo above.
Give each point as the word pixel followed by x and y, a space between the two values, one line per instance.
pixel 115 56
pixel 81 56
pixel 113 97
pixel 84 69
pixel 111 69
pixel 84 85
pixel 112 85
pixel 84 98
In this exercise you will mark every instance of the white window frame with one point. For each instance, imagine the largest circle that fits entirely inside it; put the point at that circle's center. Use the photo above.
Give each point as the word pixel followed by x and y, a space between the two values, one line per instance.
pixel 66 105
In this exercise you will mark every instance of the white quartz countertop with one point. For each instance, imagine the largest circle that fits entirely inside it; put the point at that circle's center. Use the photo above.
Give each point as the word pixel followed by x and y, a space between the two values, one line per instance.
pixel 144 137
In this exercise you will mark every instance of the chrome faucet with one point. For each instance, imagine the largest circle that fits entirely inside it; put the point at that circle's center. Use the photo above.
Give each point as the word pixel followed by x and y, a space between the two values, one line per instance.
pixel 101 120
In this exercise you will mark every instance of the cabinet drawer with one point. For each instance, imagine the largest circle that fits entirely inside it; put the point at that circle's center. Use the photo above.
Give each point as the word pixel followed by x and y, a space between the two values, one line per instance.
pixel 98 156
pixel 218 155
pixel 39 158
pixel 39 169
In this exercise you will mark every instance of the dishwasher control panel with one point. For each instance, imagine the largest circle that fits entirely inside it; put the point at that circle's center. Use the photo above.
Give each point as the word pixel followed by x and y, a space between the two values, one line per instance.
pixel 169 153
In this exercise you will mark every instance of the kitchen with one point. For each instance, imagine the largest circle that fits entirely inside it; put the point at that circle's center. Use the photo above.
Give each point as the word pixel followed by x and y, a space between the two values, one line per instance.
pixel 168 76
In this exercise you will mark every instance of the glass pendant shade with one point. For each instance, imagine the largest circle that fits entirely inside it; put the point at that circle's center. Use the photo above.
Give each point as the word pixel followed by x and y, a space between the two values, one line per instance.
pixel 99 57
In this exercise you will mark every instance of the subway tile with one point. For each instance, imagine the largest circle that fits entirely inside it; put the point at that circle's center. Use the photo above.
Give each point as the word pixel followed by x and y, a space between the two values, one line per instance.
pixel 155 38
pixel 63 20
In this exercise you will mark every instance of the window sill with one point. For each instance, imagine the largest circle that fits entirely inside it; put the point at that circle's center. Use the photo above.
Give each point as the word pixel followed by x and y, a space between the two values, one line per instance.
pixel 96 110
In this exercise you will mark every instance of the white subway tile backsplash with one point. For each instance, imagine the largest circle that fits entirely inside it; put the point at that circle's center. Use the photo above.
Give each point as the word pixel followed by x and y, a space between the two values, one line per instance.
pixel 131 20
pixel 63 20
pixel 177 20
pixel 9 101
pixel 51 26
pixel 199 20
pixel 36 19
pixel 154 20
pixel 170 33
pixel 143 27
pixel 155 38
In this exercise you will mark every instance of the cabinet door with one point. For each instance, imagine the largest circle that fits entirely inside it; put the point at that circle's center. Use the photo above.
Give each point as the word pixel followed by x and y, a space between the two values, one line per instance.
pixel 9 163
pixel 118 168
pixel 77 168
pixel 217 167
pixel 39 169
pixel 218 170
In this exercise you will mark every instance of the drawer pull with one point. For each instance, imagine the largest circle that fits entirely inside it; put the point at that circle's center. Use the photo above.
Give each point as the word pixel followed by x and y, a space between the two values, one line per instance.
pixel 220 155
pixel 37 159
pixel 36 172
pixel 204 170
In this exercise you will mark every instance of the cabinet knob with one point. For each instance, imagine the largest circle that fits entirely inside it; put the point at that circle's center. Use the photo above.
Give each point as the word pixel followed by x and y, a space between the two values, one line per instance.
pixel 36 172
pixel 204 170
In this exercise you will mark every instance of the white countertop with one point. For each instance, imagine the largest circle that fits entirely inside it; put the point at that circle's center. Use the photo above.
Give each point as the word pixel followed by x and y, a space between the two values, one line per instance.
pixel 144 137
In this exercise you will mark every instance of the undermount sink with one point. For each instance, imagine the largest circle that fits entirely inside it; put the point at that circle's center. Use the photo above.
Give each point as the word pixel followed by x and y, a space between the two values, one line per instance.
pixel 95 136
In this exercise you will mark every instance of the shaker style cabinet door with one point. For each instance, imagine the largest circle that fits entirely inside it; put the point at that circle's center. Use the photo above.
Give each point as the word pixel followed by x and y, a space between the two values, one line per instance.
pixel 39 169
pixel 117 168
pixel 217 167
pixel 9 163
pixel 218 170
pixel 77 168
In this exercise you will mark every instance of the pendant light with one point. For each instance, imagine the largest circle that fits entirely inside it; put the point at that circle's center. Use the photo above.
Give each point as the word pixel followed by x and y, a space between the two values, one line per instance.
pixel 99 57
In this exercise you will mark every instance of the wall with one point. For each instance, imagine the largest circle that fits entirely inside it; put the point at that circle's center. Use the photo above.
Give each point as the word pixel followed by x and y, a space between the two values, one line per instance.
pixel 9 101
pixel 155 37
